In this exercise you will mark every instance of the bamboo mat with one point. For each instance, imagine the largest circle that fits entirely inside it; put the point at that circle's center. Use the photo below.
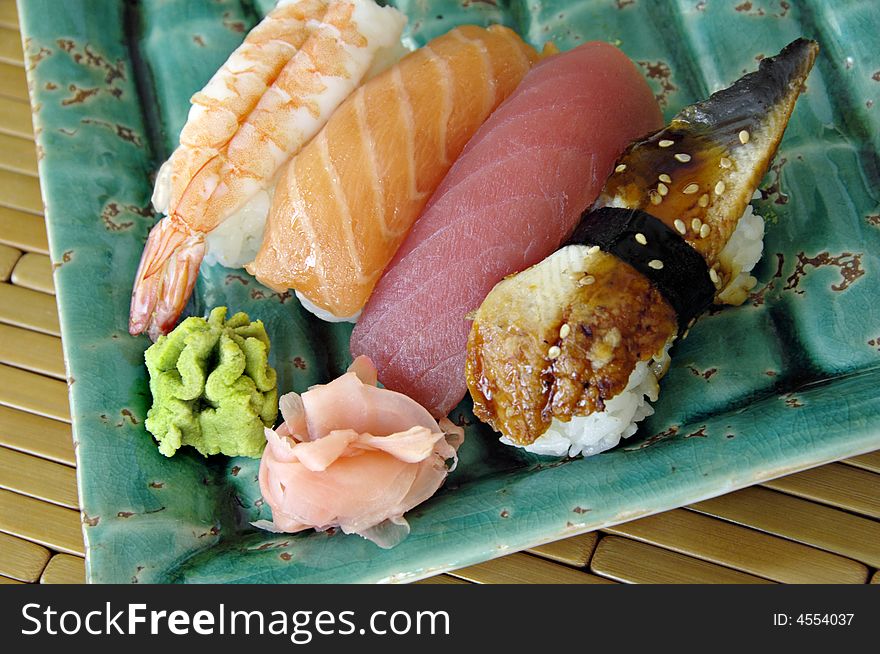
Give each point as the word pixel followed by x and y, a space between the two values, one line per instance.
pixel 822 525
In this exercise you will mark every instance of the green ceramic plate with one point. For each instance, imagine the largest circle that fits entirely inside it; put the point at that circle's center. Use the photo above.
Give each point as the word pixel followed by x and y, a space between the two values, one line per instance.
pixel 787 381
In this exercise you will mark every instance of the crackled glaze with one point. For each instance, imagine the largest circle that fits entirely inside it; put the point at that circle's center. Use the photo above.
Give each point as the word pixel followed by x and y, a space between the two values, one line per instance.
pixel 784 382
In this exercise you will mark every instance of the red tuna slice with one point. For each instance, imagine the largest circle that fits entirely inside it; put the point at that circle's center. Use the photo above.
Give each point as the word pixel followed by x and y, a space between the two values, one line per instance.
pixel 511 199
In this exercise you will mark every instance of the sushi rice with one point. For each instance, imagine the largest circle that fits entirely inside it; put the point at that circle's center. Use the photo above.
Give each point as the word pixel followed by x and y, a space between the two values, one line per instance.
pixel 600 431
pixel 323 314
pixel 740 255
pixel 236 241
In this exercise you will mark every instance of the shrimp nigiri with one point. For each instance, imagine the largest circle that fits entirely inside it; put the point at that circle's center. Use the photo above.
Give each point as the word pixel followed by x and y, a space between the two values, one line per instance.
pixel 270 98
pixel 563 356
pixel 346 202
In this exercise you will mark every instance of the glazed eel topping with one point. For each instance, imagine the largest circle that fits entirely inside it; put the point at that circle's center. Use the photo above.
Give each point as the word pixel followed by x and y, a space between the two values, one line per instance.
pixel 561 339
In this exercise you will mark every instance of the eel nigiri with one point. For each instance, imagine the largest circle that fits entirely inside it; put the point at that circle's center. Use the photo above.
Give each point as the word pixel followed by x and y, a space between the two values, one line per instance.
pixel 512 198
pixel 344 205
pixel 271 96
pixel 561 356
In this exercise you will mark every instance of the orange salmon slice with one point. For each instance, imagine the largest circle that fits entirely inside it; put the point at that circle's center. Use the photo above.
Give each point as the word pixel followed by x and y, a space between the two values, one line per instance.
pixel 346 202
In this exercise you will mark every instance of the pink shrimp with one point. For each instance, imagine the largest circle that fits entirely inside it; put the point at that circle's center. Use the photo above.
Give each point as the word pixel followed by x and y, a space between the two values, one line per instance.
pixel 271 96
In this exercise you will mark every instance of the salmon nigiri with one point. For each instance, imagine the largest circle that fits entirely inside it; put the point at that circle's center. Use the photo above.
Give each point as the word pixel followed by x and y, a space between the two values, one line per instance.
pixel 344 204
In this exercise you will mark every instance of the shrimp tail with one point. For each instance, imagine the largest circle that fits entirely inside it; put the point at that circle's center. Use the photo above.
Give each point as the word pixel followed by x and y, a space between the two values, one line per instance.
pixel 165 277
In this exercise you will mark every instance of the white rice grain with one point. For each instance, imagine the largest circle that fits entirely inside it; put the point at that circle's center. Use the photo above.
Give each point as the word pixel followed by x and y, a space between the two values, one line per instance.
pixel 602 430
pixel 236 241
pixel 740 255
pixel 323 314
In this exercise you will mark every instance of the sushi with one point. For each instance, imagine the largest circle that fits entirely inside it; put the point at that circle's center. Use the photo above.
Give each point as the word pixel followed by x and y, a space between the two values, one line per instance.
pixel 562 357
pixel 270 97
pixel 511 199
pixel 345 204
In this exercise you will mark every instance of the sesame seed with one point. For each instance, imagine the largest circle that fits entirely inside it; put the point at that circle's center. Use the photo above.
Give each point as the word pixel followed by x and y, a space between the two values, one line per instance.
pixel 725 162
pixel 665 143
pixel 680 226
pixel 593 249
pixel 640 238
pixel 704 231
pixel 587 280
pixel 656 198
pixel 565 330
pixel 620 168
pixel 665 178
pixel 696 224
pixel 683 157
pixel 656 264
pixel 704 200
pixel 553 352
pixel 714 276
pixel 662 189
pixel 744 137
pixel 690 189
pixel 719 188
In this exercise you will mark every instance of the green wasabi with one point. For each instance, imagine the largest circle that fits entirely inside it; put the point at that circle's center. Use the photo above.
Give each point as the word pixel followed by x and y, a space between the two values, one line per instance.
pixel 212 386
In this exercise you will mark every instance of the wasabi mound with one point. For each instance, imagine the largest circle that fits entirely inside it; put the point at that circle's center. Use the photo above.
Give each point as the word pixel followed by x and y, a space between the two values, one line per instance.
pixel 212 386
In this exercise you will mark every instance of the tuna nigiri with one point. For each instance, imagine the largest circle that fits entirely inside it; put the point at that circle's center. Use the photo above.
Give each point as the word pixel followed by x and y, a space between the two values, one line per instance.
pixel 563 356
pixel 344 205
pixel 511 199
